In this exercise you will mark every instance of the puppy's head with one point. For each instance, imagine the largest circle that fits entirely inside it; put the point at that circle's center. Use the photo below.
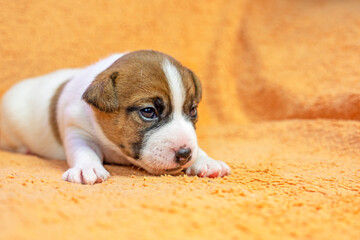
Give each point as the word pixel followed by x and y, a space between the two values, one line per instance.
pixel 146 104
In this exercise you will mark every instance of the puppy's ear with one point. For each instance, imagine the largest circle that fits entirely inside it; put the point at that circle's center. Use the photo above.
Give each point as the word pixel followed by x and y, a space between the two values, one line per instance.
pixel 197 84
pixel 101 93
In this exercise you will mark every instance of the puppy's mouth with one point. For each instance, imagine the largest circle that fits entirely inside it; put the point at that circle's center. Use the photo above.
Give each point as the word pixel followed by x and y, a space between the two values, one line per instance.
pixel 173 169
pixel 155 171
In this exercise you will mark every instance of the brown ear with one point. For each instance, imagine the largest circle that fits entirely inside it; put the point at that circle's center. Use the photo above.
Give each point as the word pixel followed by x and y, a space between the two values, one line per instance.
pixel 197 84
pixel 102 94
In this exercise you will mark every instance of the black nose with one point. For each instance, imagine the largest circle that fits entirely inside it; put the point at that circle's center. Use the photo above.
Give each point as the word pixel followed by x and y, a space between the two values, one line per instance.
pixel 183 155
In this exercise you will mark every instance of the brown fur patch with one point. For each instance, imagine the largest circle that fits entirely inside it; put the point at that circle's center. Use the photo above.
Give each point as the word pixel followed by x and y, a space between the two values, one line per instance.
pixel 53 112
pixel 101 93
pixel 139 83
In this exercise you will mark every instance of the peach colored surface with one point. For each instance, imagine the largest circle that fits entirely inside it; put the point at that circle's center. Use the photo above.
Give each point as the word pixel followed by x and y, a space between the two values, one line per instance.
pixel 281 106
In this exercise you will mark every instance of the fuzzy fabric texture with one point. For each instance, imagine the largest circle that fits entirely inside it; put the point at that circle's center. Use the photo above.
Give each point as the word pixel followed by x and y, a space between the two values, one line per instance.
pixel 281 104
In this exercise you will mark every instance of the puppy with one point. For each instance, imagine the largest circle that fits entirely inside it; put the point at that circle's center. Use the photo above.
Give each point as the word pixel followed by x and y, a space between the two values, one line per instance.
pixel 136 108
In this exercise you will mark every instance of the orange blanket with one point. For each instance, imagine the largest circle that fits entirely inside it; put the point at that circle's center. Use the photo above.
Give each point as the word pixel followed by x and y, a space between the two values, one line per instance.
pixel 281 106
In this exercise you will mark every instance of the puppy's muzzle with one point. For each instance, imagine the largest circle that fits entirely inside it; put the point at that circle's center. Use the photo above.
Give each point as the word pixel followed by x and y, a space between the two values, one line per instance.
pixel 183 155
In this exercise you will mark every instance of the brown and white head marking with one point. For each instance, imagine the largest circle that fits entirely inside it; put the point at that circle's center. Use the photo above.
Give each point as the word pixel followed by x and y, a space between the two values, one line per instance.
pixel 145 103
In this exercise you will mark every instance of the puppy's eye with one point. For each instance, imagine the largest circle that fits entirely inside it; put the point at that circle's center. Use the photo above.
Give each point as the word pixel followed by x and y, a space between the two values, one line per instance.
pixel 148 113
pixel 193 111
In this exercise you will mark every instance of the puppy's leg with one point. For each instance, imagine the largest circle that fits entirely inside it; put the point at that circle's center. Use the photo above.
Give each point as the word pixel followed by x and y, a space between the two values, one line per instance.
pixel 84 158
pixel 205 166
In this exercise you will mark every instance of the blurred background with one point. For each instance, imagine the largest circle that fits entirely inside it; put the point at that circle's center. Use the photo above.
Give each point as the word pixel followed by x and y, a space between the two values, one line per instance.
pixel 258 60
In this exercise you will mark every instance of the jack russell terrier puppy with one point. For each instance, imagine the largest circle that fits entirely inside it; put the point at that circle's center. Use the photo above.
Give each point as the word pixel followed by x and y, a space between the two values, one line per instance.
pixel 136 108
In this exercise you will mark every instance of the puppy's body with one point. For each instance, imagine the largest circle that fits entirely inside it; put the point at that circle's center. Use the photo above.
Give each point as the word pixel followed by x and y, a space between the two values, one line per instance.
pixel 137 108
pixel 25 111
pixel 25 115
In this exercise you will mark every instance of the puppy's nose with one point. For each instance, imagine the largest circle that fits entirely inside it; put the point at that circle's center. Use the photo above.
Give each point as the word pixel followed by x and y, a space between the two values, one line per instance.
pixel 183 155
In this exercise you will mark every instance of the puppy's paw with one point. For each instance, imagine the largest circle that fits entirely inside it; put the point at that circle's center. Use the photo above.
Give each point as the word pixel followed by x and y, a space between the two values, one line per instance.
pixel 205 166
pixel 86 175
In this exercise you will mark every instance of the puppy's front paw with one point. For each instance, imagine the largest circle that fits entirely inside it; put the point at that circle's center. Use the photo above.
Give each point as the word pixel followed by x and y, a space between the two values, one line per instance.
pixel 205 166
pixel 86 175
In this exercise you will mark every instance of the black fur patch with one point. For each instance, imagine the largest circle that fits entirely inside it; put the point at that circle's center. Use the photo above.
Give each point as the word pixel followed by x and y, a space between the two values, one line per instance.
pixel 162 120
pixel 136 148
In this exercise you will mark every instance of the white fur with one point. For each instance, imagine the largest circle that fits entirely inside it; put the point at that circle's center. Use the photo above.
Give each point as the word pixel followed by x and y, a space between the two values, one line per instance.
pixel 177 90
pixel 158 154
pixel 24 119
